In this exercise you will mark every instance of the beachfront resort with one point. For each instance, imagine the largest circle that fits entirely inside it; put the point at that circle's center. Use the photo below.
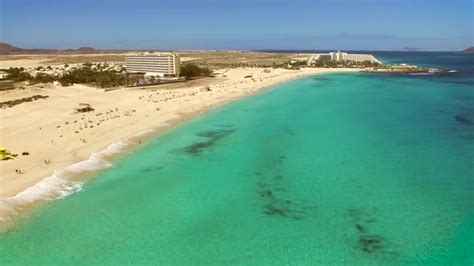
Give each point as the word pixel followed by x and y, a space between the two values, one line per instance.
pixel 342 57
pixel 154 64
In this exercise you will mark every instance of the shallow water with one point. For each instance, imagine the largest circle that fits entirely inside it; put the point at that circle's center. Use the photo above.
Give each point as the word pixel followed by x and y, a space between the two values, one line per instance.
pixel 353 169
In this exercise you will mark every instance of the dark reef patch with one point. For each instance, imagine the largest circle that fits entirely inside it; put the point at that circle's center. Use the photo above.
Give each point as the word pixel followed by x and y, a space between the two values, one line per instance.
pixel 273 192
pixel 360 215
pixel 320 79
pixel 367 241
pixel 212 136
pixel 215 134
pixel 360 228
pixel 272 210
pixel 278 177
pixel 288 130
pixel 151 169
pixel 225 125
pixel 464 119
pixel 371 243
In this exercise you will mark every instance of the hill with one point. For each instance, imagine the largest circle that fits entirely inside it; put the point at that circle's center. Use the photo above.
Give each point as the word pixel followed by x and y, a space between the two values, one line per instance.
pixel 469 50
pixel 86 49
pixel 6 49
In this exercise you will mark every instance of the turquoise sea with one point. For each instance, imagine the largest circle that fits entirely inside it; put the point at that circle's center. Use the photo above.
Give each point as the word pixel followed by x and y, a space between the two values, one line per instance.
pixel 341 169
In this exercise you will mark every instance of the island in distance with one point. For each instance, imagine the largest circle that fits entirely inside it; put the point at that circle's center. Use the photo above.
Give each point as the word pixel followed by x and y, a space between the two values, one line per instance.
pixel 469 50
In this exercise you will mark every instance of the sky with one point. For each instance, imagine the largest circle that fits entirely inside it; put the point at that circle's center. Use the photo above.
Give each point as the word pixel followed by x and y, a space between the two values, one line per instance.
pixel 239 24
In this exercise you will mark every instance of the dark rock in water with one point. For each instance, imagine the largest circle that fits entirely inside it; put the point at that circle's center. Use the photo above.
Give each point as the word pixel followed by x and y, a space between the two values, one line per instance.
pixel 371 243
pixel 360 228
pixel 464 120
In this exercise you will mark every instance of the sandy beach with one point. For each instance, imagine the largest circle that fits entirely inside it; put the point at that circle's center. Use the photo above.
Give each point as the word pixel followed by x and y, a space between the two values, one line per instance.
pixel 62 144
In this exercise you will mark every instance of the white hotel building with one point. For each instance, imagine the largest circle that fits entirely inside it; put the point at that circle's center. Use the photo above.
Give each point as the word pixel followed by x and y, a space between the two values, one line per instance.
pixel 340 57
pixel 154 64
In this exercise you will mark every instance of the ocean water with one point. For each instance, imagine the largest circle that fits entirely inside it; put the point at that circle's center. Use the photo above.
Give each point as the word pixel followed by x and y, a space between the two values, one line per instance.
pixel 342 169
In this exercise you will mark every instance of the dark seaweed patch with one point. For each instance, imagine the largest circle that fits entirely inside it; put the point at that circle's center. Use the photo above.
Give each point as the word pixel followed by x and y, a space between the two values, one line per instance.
pixel 360 228
pixel 463 119
pixel 225 125
pixel 320 79
pixel 152 169
pixel 288 131
pixel 368 242
pixel 272 210
pixel 215 133
pixel 213 136
pixel 359 215
pixel 371 243
pixel 266 193
pixel 273 193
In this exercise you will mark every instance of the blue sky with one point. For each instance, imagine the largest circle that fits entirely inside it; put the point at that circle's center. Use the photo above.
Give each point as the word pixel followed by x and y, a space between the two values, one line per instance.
pixel 238 24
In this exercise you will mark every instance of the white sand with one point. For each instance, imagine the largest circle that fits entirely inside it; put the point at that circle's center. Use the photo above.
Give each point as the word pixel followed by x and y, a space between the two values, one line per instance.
pixel 49 130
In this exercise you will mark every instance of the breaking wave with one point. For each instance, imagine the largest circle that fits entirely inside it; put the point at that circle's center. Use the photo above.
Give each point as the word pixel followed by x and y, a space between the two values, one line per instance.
pixel 61 183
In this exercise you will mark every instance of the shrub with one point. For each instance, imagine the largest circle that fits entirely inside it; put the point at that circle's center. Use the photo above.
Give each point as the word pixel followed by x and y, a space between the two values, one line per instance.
pixel 18 74
pixel 190 70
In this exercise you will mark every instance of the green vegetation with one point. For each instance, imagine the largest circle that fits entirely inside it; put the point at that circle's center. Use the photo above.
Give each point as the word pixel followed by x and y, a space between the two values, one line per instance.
pixel 12 103
pixel 43 78
pixel 99 76
pixel 18 74
pixel 191 70
pixel 7 85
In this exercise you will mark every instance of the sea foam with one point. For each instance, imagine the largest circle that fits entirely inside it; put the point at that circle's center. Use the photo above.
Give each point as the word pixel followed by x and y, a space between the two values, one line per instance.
pixel 61 183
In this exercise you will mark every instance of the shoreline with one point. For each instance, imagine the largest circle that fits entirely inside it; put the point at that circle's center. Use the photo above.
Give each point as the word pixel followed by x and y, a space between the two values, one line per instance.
pixel 19 198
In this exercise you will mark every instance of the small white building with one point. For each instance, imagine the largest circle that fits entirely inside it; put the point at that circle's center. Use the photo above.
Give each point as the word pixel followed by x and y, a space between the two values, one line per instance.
pixel 3 75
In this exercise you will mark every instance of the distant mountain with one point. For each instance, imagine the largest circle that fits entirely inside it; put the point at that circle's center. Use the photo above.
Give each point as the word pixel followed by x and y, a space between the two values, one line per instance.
pixel 469 50
pixel 6 48
pixel 411 49
pixel 86 49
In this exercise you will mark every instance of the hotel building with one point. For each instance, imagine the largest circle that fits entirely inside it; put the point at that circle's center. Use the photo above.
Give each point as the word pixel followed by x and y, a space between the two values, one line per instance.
pixel 154 64
pixel 340 57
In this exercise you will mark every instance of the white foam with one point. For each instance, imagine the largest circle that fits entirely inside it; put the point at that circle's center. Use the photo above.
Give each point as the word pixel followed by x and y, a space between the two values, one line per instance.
pixel 144 132
pixel 421 74
pixel 61 183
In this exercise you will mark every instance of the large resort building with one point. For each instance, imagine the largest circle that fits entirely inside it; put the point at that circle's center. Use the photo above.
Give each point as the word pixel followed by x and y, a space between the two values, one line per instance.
pixel 154 64
pixel 341 57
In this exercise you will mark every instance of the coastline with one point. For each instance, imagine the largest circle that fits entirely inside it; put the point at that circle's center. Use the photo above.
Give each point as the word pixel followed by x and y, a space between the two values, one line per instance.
pixel 74 161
